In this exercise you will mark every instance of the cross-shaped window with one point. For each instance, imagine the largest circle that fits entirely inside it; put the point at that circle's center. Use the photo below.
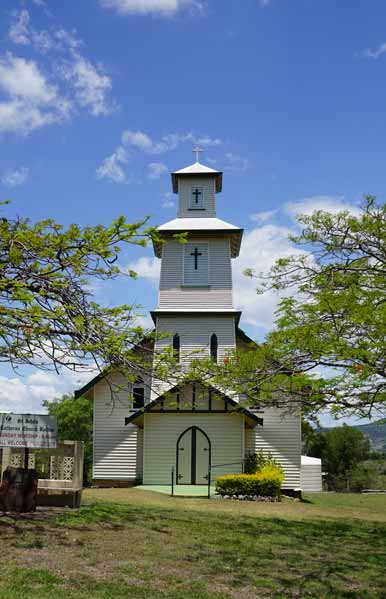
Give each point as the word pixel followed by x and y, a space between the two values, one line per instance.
pixel 196 254
pixel 196 198
pixel 196 263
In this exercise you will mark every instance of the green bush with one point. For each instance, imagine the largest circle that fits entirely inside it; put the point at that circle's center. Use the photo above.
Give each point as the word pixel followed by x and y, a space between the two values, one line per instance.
pixel 265 483
pixel 254 462
pixel 368 475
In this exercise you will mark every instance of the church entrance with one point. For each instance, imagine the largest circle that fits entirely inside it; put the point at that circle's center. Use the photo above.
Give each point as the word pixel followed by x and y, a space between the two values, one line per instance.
pixel 193 457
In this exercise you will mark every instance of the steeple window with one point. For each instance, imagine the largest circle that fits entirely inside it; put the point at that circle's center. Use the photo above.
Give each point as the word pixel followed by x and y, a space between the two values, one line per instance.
pixel 214 347
pixel 196 264
pixel 176 347
pixel 197 200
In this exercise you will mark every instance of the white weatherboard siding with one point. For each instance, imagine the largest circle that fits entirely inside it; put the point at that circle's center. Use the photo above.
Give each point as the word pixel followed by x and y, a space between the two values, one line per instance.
pixel 218 293
pixel 195 333
pixel 161 432
pixel 311 475
pixel 184 194
pixel 281 436
pixel 117 448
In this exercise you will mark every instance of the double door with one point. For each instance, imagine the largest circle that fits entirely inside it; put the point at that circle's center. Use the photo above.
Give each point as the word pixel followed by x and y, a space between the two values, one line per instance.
pixel 193 457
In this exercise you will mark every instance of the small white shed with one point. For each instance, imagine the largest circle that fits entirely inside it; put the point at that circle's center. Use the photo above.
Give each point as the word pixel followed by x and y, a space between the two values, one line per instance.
pixel 311 474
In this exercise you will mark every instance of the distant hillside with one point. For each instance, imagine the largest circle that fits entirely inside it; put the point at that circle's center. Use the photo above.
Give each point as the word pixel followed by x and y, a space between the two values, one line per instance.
pixel 376 432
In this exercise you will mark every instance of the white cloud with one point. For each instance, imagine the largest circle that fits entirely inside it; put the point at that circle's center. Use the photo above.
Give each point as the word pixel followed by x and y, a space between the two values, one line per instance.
pixel 261 247
pixel 73 83
pixel 30 100
pixel 147 268
pixel 143 142
pixel 23 33
pixel 377 52
pixel 112 167
pixel 168 201
pixel 19 30
pixel 25 394
pixel 22 79
pixel 156 169
pixel 262 217
pixel 145 7
pixel 91 85
pixel 311 204
pixel 236 164
pixel 139 141
pixel 15 177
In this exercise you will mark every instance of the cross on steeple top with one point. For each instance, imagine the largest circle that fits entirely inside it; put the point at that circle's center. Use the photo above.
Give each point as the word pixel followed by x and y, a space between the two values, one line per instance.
pixel 197 150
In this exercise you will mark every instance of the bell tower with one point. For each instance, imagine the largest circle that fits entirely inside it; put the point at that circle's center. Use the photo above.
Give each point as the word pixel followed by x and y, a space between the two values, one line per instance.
pixel 195 293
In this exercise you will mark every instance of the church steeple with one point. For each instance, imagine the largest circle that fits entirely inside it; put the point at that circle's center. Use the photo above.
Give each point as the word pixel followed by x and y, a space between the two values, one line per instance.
pixel 197 186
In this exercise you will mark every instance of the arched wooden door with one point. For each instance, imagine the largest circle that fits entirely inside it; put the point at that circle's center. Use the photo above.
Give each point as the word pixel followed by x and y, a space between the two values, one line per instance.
pixel 193 457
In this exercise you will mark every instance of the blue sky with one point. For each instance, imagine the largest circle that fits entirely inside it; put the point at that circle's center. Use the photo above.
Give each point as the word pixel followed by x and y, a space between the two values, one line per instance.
pixel 101 99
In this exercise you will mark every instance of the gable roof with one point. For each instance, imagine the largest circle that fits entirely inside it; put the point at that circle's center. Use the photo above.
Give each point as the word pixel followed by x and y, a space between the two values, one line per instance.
pixel 197 169
pixel 253 418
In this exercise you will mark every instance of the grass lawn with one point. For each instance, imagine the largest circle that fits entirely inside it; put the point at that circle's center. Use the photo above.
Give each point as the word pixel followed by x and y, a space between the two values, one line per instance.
pixel 132 543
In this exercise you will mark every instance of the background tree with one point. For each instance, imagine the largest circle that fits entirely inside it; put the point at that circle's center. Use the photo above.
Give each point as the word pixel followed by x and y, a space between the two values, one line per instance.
pixel 341 450
pixel 75 423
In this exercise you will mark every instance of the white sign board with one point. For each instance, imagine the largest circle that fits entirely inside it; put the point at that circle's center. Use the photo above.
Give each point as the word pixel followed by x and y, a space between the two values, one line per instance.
pixel 28 430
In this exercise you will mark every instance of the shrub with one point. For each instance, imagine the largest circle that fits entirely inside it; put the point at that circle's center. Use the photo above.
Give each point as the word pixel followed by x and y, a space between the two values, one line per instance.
pixel 250 462
pixel 368 475
pixel 265 483
pixel 254 462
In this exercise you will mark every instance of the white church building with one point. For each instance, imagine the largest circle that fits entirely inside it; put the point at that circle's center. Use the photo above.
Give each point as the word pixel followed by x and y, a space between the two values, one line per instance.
pixel 189 427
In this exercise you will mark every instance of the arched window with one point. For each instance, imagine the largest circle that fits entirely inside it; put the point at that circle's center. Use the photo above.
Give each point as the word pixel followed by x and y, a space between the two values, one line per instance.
pixel 176 347
pixel 213 347
pixel 138 394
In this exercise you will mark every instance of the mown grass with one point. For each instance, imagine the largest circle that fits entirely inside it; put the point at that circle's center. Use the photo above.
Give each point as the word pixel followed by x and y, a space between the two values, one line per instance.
pixel 154 546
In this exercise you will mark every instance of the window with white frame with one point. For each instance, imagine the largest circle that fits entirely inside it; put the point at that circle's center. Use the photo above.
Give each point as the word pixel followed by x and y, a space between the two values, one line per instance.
pixel 197 200
pixel 196 264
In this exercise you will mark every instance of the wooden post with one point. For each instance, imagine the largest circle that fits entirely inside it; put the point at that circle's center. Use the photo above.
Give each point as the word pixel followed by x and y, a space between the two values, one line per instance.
pixel 26 458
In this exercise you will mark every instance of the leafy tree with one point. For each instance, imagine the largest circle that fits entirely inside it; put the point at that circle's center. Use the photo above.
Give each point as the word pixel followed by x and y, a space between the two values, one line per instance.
pixel 336 317
pixel 332 319
pixel 48 316
pixel 75 423
pixel 341 449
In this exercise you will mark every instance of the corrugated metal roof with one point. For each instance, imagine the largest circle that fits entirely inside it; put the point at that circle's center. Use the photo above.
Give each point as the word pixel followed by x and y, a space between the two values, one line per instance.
pixel 197 224
pixel 197 169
